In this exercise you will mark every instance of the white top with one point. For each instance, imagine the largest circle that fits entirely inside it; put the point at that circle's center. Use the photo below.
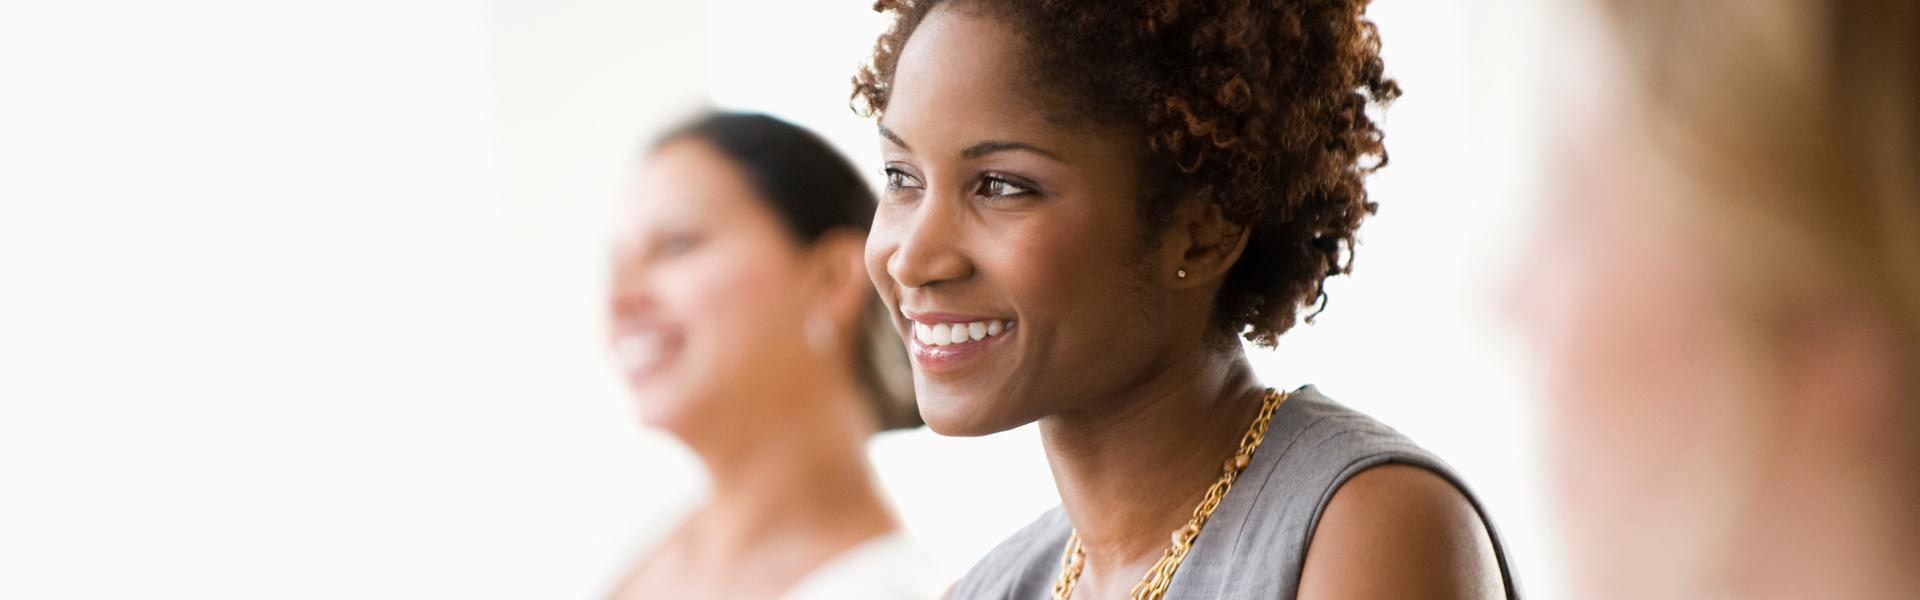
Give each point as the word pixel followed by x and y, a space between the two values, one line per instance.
pixel 889 567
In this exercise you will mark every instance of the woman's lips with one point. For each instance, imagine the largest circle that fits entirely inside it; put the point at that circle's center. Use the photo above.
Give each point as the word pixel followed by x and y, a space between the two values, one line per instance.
pixel 949 345
pixel 944 334
pixel 641 353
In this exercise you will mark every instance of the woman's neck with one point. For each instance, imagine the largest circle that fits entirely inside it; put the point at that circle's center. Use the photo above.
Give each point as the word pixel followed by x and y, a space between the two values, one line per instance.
pixel 1131 472
pixel 790 491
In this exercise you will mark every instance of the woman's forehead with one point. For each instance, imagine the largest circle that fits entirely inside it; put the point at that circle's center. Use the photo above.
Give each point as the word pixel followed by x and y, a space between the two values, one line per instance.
pixel 687 180
pixel 960 76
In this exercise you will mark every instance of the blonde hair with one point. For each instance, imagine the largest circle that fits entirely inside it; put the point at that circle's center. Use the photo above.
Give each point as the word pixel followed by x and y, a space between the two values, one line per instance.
pixel 1802 120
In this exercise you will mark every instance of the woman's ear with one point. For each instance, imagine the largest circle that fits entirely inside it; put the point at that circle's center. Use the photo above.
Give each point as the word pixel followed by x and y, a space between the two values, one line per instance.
pixel 1202 244
pixel 840 262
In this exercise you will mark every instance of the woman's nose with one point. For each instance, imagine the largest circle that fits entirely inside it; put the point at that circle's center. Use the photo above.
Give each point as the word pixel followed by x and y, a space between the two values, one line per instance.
pixel 929 245
pixel 628 294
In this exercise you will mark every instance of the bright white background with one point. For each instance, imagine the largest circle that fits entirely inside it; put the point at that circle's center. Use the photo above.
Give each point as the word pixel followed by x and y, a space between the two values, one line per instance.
pixel 300 299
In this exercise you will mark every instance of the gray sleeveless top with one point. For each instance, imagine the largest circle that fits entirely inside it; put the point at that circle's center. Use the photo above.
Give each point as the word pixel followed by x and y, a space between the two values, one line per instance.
pixel 1256 542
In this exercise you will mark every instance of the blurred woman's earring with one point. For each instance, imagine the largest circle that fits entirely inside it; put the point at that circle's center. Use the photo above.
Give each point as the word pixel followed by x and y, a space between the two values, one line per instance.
pixel 820 332
pixel 1182 273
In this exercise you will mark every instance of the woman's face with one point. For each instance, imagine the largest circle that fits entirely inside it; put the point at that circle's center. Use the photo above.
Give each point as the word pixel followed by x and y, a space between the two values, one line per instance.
pixel 1654 426
pixel 707 286
pixel 998 221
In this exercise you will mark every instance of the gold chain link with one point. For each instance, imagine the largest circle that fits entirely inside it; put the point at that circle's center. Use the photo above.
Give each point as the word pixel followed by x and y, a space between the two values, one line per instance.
pixel 1155 585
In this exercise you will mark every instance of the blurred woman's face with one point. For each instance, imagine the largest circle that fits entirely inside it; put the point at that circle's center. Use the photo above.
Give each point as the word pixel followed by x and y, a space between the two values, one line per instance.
pixel 1005 242
pixel 705 304
pixel 1653 424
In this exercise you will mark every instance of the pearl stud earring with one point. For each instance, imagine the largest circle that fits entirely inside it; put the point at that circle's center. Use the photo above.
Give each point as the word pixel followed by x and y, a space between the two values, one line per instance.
pixel 1181 273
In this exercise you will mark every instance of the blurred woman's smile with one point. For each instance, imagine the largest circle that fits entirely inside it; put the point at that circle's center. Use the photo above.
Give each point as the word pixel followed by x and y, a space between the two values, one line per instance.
pixel 641 353
pixel 741 317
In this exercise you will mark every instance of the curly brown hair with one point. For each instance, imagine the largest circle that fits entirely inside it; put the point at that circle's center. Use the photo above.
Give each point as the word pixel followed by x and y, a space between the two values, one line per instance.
pixel 1258 105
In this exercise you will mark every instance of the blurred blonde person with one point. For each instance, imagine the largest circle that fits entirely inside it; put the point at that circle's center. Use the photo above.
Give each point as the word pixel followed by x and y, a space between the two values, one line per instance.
pixel 1728 297
pixel 741 315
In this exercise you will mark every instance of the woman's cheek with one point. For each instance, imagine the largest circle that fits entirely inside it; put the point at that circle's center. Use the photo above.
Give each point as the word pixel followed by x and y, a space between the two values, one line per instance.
pixel 691 290
pixel 1054 263
pixel 883 236
pixel 744 302
pixel 1606 431
pixel 1648 431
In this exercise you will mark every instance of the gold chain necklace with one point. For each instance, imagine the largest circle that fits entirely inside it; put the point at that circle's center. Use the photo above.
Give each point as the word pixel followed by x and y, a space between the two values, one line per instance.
pixel 1155 585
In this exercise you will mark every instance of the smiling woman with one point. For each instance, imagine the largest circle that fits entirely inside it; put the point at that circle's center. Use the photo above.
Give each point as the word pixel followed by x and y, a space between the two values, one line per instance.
pixel 1086 204
pixel 742 319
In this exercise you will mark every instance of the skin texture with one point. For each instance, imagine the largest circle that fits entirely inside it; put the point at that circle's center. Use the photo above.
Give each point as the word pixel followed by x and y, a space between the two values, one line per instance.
pixel 1711 438
pixel 704 262
pixel 1397 531
pixel 994 211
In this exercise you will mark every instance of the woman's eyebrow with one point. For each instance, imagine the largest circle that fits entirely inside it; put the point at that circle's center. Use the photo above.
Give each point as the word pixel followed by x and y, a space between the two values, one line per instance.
pixel 992 146
pixel 893 137
pixel 977 150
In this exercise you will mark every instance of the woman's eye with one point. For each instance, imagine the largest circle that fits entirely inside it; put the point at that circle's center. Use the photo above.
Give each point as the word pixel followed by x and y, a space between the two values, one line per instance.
pixel 677 244
pixel 994 187
pixel 898 179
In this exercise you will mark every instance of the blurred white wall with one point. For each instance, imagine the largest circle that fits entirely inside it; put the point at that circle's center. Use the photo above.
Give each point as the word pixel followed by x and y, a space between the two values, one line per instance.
pixel 301 299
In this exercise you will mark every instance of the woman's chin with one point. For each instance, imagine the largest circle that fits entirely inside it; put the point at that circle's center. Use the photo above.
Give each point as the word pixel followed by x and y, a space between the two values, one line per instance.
pixel 663 420
pixel 658 408
pixel 963 415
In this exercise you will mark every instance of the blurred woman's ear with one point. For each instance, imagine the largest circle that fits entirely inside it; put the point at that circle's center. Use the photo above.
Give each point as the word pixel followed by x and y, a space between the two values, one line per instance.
pixel 839 258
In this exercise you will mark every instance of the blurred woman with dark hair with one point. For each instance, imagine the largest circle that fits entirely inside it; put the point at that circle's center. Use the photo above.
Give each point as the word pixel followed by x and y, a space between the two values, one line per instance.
pixel 745 323
pixel 1728 296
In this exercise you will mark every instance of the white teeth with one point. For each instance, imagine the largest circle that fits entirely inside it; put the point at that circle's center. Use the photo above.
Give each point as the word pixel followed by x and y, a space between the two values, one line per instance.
pixel 638 351
pixel 944 334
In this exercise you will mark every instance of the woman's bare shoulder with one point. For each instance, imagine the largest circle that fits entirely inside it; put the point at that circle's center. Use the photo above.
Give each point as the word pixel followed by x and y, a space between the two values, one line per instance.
pixel 1400 531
